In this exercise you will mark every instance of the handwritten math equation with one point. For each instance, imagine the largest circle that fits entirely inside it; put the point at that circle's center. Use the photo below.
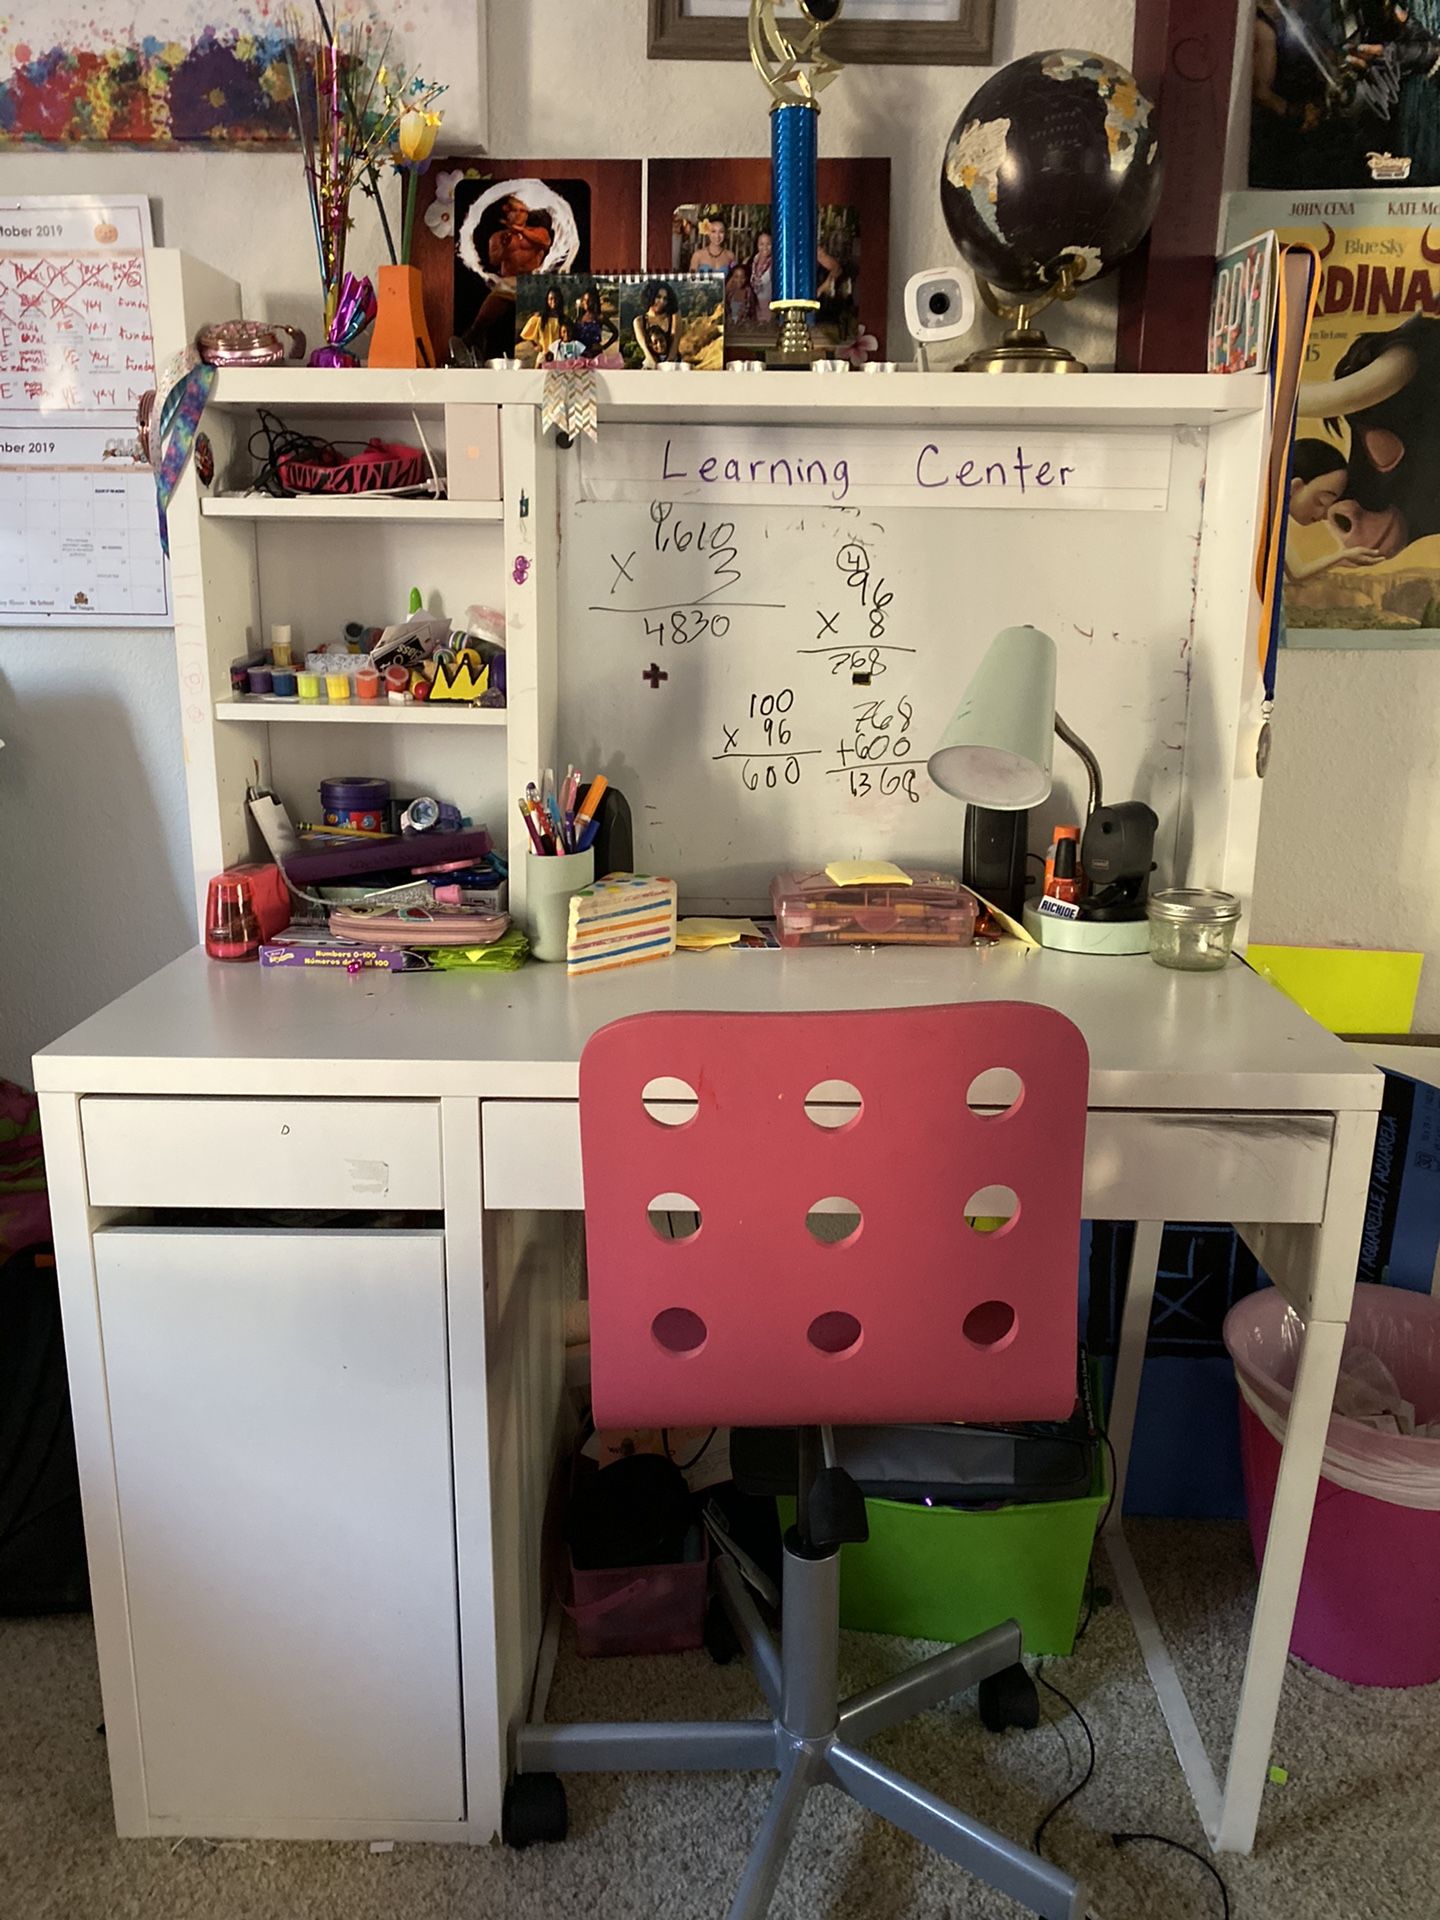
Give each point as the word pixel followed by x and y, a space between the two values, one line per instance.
pixel 74 331
pixel 776 736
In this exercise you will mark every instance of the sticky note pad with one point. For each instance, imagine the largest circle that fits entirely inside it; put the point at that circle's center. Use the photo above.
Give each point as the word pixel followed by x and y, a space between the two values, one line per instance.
pixel 696 935
pixel 867 873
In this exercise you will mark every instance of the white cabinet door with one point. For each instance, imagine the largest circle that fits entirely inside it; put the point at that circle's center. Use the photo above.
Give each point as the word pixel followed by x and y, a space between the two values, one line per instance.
pixel 280 1410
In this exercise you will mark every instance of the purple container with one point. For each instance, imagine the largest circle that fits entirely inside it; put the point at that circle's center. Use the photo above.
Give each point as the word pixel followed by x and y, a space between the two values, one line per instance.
pixel 261 680
pixel 346 792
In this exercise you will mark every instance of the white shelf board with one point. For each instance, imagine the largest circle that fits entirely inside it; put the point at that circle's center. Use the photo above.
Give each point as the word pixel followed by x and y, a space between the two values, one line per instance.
pixel 261 506
pixel 415 713
pixel 928 399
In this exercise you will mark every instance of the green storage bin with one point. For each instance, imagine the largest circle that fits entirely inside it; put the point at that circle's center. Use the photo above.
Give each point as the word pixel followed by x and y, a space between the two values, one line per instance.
pixel 949 1573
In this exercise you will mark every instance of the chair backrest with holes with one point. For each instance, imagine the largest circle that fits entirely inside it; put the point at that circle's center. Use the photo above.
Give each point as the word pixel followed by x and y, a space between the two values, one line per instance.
pixel 757 1319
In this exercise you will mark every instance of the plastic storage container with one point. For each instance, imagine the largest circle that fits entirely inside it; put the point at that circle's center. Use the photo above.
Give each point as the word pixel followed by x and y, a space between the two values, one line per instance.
pixel 948 1573
pixel 933 911
pixel 1369 1605
pixel 657 1609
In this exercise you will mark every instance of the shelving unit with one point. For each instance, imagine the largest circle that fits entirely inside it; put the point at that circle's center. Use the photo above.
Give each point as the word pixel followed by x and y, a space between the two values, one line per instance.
pixel 241 562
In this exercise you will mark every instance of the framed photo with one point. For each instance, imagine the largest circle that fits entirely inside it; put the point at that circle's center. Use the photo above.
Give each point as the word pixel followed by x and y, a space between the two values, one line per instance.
pixel 714 215
pixel 673 316
pixel 483 224
pixel 908 33
pixel 560 315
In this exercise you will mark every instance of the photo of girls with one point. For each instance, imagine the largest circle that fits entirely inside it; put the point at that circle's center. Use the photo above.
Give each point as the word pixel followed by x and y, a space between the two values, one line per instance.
pixel 677 317
pixel 735 239
pixel 567 316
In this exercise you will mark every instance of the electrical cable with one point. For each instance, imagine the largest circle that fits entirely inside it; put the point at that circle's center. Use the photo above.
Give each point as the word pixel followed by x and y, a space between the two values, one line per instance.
pixel 1116 1839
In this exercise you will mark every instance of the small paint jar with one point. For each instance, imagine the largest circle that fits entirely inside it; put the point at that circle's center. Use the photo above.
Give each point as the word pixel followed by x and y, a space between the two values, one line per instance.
pixel 282 652
pixel 260 679
pixel 397 683
pixel 367 683
pixel 337 688
pixel 307 685
pixel 283 683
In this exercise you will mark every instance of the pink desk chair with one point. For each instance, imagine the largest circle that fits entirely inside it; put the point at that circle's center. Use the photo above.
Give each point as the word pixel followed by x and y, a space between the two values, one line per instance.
pixel 755 1320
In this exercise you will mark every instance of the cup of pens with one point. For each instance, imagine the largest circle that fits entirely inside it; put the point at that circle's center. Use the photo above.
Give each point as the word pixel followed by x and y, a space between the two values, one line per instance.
pixel 561 827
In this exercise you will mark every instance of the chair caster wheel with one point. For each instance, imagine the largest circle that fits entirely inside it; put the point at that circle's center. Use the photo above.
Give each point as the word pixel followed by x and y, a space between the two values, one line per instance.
pixel 721 1642
pixel 1009 1698
pixel 533 1811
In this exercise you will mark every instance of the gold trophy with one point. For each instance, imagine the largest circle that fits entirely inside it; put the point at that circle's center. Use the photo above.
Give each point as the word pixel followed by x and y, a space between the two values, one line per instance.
pixel 791 60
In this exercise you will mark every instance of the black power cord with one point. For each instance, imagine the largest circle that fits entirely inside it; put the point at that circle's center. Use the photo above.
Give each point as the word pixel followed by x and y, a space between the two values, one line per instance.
pixel 1117 1840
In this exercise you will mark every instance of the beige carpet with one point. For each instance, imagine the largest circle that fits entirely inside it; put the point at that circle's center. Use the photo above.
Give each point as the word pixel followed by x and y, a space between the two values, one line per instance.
pixel 1352 1836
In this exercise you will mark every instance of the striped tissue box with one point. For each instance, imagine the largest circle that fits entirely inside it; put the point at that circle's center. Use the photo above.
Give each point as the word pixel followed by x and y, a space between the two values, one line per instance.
pixel 623 919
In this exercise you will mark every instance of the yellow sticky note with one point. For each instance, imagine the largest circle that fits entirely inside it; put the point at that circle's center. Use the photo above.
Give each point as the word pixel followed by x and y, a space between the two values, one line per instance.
pixel 867 873
pixel 696 935
pixel 1012 927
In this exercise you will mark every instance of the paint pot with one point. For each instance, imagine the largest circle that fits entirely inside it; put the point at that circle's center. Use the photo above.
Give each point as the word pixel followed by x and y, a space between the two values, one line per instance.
pixel 356 801
pixel 307 685
pixel 282 650
pixel 337 688
pixel 260 680
pixel 397 684
pixel 283 685
pixel 367 683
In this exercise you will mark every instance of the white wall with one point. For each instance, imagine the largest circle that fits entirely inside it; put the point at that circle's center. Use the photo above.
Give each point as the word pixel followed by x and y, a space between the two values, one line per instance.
pixel 91 719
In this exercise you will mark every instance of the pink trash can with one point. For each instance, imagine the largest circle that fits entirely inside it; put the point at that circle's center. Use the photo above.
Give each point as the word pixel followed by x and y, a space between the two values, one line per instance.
pixel 1369 1606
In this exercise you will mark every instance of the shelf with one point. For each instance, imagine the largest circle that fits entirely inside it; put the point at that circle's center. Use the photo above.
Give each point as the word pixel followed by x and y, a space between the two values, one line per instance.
pixel 416 713
pixel 260 506
pixel 905 398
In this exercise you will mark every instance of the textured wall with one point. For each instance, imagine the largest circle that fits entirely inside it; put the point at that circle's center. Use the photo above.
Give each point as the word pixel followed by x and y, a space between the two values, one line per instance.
pixel 91 783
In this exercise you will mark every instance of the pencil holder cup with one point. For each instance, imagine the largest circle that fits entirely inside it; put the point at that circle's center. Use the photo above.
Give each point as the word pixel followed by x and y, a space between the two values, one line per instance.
pixel 550 880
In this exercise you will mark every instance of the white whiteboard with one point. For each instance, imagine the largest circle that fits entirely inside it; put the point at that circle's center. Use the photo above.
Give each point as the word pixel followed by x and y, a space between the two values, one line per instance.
pixel 765 682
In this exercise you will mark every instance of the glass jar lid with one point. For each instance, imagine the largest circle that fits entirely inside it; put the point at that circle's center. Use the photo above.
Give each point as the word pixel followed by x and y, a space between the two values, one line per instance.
pixel 1193 905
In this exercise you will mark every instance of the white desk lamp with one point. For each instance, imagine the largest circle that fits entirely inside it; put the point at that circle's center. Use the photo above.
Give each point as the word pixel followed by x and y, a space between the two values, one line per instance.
pixel 995 754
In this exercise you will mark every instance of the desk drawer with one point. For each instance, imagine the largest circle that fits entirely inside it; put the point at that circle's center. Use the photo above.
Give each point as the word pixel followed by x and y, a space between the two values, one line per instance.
pixel 1138 1166
pixel 261 1153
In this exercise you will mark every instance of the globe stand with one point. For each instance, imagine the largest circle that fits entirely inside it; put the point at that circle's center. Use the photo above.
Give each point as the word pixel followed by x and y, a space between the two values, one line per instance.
pixel 1024 348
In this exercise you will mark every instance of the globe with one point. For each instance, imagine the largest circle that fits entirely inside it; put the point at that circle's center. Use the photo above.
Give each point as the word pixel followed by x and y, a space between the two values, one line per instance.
pixel 1055 159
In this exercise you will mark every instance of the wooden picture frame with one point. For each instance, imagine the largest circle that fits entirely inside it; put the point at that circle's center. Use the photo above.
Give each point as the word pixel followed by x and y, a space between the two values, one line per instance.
pixel 966 42
pixel 861 184
pixel 611 226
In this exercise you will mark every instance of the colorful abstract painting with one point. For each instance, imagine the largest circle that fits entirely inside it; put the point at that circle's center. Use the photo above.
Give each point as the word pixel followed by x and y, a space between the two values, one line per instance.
pixel 201 73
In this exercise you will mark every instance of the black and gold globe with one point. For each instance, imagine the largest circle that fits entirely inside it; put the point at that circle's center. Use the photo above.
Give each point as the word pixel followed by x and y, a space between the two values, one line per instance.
pixel 1053 165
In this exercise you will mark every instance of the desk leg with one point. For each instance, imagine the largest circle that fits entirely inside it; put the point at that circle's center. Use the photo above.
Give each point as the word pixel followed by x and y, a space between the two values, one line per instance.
pixel 1315 1268
pixel 1130 1354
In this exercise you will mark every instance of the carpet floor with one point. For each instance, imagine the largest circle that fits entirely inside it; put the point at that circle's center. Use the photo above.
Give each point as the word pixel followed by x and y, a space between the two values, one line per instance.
pixel 1351 1835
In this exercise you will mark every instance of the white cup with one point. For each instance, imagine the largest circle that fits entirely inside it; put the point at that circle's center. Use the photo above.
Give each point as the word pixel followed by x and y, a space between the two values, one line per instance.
pixel 550 880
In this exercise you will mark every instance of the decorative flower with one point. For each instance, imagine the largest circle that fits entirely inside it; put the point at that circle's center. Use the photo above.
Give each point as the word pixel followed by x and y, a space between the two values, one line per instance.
pixel 440 214
pixel 859 350
pixel 415 136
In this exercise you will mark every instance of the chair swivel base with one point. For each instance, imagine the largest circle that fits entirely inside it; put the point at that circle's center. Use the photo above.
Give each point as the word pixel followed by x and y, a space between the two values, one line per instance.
pixel 811 1740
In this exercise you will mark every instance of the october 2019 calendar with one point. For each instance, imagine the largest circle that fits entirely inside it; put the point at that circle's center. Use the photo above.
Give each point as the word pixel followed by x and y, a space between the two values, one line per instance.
pixel 79 540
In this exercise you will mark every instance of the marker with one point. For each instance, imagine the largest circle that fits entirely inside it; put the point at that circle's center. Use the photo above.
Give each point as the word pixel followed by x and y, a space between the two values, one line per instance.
pixel 592 800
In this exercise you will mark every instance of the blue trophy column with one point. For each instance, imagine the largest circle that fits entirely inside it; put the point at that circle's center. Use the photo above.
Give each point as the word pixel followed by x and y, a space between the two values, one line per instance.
pixel 794 142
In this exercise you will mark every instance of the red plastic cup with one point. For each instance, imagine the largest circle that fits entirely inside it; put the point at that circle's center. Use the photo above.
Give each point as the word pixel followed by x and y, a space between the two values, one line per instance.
pixel 232 927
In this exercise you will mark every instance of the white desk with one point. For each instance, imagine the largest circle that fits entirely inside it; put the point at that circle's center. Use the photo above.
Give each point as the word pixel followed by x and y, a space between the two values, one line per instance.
pixel 410 1502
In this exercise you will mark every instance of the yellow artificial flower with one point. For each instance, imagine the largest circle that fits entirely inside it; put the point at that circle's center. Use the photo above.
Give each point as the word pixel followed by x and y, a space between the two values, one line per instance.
pixel 416 134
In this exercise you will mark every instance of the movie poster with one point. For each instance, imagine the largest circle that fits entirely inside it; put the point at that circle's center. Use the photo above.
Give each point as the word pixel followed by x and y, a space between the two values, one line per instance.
pixel 1362 556
pixel 1345 93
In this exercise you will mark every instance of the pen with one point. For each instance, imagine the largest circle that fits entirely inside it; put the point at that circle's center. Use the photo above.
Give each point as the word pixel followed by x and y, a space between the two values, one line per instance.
pixel 535 839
